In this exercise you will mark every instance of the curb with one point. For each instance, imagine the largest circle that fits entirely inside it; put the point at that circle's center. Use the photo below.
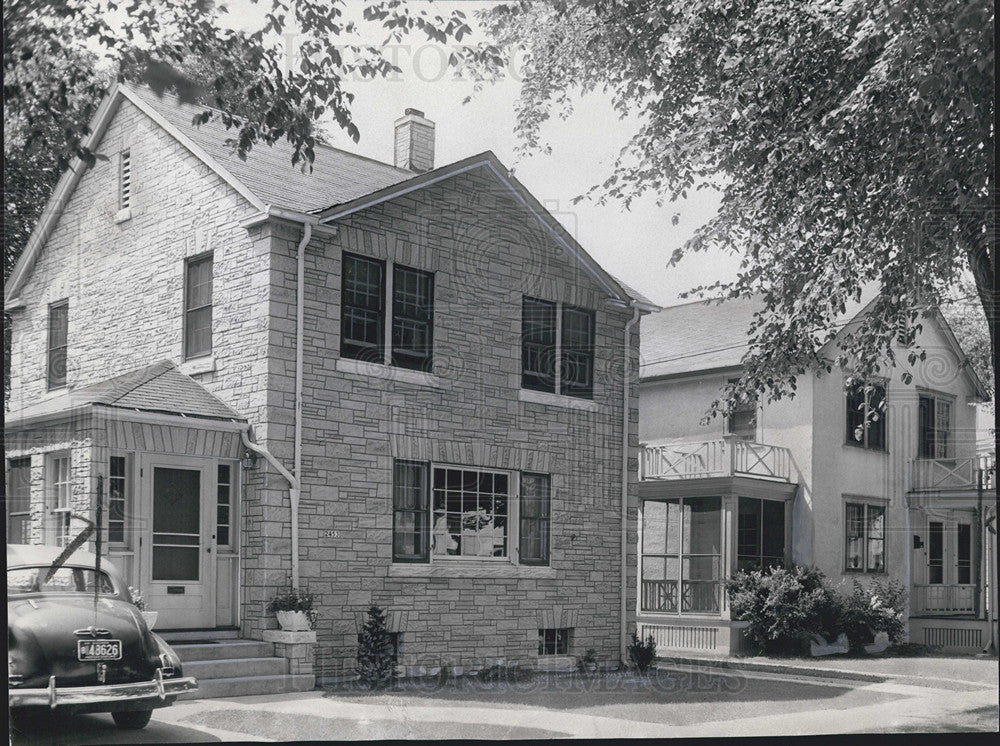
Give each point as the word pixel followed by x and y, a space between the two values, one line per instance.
pixel 779 668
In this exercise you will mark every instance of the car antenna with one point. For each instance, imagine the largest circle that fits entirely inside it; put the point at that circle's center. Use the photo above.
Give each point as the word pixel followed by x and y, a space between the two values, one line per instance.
pixel 79 541
pixel 97 543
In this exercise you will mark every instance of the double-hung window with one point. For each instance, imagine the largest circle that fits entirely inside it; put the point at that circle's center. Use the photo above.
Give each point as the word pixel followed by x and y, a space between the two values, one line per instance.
pixel 119 484
pixel 742 420
pixel 446 512
pixel 58 343
pixel 934 426
pixel 19 501
pixel 557 348
pixel 865 537
pixel 363 322
pixel 198 307
pixel 60 502
pixel 866 416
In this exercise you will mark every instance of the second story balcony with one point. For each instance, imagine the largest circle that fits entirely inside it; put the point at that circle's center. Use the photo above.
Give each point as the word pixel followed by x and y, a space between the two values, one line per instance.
pixel 725 457
pixel 955 475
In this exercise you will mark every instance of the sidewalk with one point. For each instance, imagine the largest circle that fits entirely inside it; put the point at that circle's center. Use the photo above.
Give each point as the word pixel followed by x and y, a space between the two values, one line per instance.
pixel 984 672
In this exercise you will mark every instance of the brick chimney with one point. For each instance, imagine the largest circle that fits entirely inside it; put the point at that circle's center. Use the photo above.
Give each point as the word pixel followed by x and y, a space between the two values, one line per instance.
pixel 414 142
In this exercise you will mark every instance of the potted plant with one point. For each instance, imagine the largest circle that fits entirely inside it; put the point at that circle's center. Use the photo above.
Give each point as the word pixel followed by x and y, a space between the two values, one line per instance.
pixel 294 610
pixel 588 662
pixel 140 604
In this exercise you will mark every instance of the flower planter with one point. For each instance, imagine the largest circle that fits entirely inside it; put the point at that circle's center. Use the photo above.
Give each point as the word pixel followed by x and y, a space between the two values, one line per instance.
pixel 150 617
pixel 821 647
pixel 293 621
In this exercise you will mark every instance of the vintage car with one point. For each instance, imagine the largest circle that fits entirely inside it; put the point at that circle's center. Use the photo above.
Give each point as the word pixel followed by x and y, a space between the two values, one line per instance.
pixel 74 650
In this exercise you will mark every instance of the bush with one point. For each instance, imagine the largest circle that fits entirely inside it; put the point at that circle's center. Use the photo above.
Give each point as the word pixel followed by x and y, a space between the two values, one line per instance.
pixel 640 653
pixel 867 611
pixel 504 674
pixel 587 660
pixel 293 600
pixel 376 667
pixel 784 607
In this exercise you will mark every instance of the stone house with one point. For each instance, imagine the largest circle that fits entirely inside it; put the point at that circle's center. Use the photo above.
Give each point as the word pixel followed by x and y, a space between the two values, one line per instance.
pixel 382 384
pixel 810 480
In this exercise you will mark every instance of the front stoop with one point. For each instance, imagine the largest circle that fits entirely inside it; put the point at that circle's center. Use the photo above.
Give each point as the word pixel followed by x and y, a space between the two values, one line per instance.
pixel 238 668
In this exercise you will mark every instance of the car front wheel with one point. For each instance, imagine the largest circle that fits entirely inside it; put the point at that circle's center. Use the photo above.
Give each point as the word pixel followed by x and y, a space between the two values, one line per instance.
pixel 132 719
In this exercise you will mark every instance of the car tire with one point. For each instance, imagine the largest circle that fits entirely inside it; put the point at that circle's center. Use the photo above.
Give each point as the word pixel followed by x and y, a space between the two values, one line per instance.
pixel 132 719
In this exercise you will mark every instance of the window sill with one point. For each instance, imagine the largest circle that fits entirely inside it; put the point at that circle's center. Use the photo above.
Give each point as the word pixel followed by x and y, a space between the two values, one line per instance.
pixel 557 400
pixel 198 365
pixel 469 570
pixel 122 215
pixel 390 373
pixel 861 447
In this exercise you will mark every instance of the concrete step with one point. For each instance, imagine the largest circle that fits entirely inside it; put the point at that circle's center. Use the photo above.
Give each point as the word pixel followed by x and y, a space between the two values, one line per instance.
pixel 236 667
pixel 244 686
pixel 181 636
pixel 224 650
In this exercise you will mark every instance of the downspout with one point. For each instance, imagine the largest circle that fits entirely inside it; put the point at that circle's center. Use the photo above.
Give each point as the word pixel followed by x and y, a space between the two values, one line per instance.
pixel 627 349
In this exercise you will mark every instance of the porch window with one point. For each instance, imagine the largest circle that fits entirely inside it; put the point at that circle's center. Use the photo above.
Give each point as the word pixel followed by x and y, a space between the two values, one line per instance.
pixel 934 427
pixel 964 553
pixel 19 501
pixel 58 343
pixel 866 416
pixel 60 494
pixel 223 505
pixel 935 553
pixel 742 420
pixel 681 540
pixel 553 641
pixel 538 345
pixel 865 537
pixel 412 318
pixel 533 545
pixel 118 498
pixel 760 534
pixel 198 307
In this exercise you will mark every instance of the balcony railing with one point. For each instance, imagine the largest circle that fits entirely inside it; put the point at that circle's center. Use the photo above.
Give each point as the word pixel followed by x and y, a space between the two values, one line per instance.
pixel 941 474
pixel 715 458
pixel 943 599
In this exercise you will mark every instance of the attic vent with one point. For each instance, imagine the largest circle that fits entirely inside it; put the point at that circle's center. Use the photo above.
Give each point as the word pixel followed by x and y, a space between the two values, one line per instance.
pixel 124 180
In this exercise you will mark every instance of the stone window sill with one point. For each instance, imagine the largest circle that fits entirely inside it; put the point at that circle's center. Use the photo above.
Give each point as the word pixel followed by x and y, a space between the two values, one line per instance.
pixel 198 365
pixel 558 400
pixel 122 215
pixel 390 373
pixel 469 570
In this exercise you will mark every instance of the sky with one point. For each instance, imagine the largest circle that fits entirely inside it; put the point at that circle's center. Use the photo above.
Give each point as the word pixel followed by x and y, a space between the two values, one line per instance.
pixel 634 245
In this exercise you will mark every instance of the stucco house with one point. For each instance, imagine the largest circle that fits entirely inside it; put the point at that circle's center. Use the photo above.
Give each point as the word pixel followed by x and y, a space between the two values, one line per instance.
pixel 382 384
pixel 809 480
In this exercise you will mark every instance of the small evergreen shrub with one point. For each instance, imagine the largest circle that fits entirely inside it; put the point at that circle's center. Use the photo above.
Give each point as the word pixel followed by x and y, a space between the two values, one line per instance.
pixel 587 660
pixel 376 665
pixel 641 653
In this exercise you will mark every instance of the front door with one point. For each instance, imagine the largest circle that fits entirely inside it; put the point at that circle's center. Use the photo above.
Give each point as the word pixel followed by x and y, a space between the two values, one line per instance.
pixel 178 542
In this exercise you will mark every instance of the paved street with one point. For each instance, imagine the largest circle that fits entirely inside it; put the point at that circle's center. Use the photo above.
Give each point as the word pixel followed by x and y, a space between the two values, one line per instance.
pixel 680 703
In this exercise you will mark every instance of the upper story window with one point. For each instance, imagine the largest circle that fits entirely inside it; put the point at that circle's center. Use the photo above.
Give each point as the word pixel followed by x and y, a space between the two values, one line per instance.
pixel 443 513
pixel 198 307
pixel 363 319
pixel 19 501
pixel 124 180
pixel 557 348
pixel 742 420
pixel 934 427
pixel 58 343
pixel 866 416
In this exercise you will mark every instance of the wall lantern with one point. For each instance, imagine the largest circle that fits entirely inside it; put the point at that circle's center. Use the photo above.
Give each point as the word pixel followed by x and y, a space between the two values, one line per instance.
pixel 249 460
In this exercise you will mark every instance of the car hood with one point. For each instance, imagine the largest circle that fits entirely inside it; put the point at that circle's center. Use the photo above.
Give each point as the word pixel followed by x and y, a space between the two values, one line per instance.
pixel 42 636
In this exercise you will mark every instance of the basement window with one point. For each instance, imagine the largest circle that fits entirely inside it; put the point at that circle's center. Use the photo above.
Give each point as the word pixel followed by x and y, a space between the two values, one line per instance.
pixel 553 641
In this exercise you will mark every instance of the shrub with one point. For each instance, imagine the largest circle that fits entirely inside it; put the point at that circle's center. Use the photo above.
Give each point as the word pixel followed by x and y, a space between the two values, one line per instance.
pixel 501 673
pixel 784 607
pixel 587 660
pixel 867 611
pixel 376 667
pixel 640 653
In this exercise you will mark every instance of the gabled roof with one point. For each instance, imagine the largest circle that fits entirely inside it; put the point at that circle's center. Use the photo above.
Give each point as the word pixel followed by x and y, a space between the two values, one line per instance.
pixel 159 388
pixel 341 182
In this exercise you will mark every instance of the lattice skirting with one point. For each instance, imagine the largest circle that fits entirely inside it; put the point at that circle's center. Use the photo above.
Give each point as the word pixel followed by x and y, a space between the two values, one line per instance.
pixel 678 637
pixel 950 637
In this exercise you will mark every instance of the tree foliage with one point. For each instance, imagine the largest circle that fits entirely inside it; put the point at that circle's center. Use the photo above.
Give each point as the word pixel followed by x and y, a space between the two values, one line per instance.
pixel 376 665
pixel 851 142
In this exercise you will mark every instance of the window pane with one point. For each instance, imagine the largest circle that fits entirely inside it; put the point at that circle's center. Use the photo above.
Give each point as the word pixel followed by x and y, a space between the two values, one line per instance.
pixel 412 318
pixel 198 335
pixel 935 553
pixel 18 500
pixel 876 539
pixel 964 552
pixel 773 538
pixel 654 527
pixel 538 345
pixel 409 499
pixel 466 521
pixel 702 525
pixel 748 539
pixel 58 342
pixel 534 526
pixel 199 283
pixel 926 427
pixel 942 428
pixel 577 367
pixel 876 417
pixel 362 309
pixel 856 415
pixel 855 517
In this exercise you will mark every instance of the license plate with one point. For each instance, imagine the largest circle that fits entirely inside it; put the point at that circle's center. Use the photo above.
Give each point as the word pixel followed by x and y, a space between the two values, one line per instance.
pixel 99 650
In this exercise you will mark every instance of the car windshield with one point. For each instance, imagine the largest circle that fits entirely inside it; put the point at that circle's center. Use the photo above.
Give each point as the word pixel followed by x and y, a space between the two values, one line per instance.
pixel 64 580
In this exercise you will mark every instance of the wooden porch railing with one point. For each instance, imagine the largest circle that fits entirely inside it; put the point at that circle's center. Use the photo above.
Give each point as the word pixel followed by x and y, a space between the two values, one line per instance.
pixel 715 458
pixel 696 596
pixel 940 474
pixel 943 599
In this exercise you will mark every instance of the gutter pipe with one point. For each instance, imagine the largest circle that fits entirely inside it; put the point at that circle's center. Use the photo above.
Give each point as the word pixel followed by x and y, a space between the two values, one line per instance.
pixel 623 635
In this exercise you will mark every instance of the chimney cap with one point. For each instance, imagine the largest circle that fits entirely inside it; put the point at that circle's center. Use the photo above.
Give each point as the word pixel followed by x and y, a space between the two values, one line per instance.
pixel 416 112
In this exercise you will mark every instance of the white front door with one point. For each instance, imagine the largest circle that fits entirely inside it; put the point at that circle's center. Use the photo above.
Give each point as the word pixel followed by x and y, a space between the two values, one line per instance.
pixel 178 541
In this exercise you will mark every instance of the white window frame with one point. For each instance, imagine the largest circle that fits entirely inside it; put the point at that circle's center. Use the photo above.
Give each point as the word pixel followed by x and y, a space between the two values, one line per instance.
pixel 20 513
pixel 938 398
pixel 128 484
pixel 513 516
pixel 866 502
pixel 58 499
pixel 557 390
